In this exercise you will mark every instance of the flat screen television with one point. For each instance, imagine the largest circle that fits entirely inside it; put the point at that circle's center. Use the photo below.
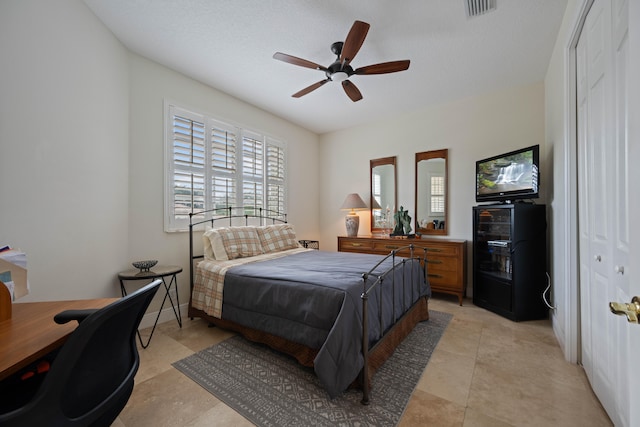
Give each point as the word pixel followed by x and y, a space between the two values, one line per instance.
pixel 509 176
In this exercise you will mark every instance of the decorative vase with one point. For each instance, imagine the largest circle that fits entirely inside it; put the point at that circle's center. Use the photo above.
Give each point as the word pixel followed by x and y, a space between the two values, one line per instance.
pixel 352 223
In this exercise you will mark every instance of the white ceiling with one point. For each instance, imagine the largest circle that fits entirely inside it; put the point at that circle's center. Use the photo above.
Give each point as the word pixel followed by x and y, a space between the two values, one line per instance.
pixel 229 44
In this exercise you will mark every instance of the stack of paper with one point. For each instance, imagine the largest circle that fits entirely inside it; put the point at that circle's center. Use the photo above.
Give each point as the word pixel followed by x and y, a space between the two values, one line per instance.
pixel 13 271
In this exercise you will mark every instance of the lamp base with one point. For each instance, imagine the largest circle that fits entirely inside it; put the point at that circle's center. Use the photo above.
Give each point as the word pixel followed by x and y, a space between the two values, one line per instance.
pixel 352 223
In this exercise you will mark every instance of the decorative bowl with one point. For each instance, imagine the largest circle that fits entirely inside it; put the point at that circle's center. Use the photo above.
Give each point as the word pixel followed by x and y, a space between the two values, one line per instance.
pixel 145 265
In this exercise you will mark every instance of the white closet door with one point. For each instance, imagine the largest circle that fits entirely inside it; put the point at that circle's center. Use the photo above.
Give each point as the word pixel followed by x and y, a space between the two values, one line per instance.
pixel 603 202
pixel 621 220
pixel 632 270
pixel 594 130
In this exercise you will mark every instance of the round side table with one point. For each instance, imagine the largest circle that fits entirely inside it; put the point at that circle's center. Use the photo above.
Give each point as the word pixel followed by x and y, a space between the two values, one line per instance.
pixel 157 272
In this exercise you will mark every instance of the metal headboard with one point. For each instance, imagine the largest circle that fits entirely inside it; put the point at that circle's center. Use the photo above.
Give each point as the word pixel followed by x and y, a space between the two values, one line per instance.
pixel 211 216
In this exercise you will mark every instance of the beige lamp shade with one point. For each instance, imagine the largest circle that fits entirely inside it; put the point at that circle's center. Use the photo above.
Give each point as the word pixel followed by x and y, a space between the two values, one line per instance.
pixel 353 203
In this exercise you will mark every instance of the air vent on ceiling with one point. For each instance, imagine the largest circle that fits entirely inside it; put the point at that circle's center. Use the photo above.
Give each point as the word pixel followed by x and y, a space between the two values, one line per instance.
pixel 478 7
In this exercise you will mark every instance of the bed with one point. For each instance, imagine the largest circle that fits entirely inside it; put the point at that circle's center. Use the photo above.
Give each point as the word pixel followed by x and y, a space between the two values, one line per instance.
pixel 342 314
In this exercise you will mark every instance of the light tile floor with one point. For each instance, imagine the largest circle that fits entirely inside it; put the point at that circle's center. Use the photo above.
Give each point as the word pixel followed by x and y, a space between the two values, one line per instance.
pixel 486 371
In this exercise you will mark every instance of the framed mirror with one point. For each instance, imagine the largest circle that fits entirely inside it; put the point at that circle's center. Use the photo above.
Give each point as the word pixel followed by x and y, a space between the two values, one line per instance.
pixel 383 194
pixel 431 192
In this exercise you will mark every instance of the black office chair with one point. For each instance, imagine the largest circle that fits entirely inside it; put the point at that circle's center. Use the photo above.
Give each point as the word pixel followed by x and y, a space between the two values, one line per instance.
pixel 91 377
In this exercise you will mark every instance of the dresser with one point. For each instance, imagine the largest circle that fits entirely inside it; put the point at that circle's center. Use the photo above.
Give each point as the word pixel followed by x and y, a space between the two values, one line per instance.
pixel 446 258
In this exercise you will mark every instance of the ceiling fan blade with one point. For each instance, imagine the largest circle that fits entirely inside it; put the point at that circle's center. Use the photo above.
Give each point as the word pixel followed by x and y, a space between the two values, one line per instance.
pixel 311 88
pixel 354 41
pixel 351 90
pixel 383 68
pixel 297 61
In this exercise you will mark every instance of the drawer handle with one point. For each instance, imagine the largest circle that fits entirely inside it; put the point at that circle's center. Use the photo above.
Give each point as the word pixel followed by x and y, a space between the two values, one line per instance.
pixel 434 250
pixel 436 276
pixel 434 261
pixel 391 247
pixel 356 244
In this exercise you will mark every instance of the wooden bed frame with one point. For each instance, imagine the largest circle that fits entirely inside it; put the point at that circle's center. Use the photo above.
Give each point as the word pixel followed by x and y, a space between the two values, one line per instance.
pixel 374 357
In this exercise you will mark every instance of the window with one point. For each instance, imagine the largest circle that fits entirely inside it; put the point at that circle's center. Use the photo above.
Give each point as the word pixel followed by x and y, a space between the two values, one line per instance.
pixel 437 195
pixel 212 164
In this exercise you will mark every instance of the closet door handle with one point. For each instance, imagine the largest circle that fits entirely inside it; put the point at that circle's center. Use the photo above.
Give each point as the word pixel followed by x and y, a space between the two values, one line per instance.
pixel 632 311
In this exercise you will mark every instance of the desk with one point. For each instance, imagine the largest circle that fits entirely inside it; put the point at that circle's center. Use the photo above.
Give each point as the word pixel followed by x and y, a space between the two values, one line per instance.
pixel 31 333
pixel 158 272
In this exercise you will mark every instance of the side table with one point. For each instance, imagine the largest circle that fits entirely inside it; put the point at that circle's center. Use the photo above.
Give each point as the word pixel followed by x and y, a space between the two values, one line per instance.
pixel 310 244
pixel 157 272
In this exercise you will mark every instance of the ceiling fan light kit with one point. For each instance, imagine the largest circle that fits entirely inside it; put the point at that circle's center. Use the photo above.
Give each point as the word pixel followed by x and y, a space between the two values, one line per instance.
pixel 339 76
pixel 340 70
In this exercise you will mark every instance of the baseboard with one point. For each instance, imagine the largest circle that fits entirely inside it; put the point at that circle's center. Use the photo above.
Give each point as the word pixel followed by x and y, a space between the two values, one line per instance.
pixel 166 315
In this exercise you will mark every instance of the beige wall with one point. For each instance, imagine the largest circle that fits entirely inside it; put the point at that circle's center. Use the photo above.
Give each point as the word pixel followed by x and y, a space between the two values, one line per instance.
pixel 81 151
pixel 471 129
pixel 64 161
pixel 151 84
pixel 81 166
pixel 562 220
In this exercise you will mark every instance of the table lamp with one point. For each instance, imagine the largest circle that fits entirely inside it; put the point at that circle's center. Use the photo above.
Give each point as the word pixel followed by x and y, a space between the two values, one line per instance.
pixel 353 203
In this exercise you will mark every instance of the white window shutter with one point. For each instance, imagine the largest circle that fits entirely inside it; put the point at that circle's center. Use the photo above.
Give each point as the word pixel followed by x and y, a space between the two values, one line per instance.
pixel 212 164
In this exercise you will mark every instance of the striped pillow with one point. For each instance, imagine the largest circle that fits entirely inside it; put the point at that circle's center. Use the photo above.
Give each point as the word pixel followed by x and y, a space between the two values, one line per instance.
pixel 240 242
pixel 277 237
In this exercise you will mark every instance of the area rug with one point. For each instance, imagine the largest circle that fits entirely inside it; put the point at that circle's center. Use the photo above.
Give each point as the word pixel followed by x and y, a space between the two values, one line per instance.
pixel 271 389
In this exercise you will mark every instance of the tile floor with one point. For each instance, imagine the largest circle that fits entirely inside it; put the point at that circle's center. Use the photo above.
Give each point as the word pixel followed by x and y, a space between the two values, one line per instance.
pixel 486 371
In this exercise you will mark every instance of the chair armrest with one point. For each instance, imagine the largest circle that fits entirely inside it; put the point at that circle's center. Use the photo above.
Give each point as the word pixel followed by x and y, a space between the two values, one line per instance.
pixel 69 315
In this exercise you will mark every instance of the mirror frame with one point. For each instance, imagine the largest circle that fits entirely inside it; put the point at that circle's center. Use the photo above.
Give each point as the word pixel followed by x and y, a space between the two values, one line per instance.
pixel 427 155
pixel 381 162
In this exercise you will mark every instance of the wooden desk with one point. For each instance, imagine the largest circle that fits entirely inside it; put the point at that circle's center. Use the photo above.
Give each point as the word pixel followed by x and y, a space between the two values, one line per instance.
pixel 31 332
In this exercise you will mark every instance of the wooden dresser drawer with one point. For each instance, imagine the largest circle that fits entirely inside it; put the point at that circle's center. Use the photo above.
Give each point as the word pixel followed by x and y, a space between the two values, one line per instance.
pixel 438 279
pixel 385 246
pixel 446 259
pixel 355 245
pixel 441 263
pixel 442 250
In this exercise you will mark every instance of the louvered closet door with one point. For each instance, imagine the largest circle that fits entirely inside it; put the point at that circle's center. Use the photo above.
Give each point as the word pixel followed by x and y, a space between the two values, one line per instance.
pixel 602 205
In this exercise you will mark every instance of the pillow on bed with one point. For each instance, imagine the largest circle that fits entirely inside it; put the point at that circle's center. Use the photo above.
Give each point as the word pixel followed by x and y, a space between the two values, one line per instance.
pixel 240 242
pixel 277 237
pixel 213 246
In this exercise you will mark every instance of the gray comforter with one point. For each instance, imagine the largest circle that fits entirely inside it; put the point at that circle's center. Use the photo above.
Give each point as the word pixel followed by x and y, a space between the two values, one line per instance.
pixel 314 298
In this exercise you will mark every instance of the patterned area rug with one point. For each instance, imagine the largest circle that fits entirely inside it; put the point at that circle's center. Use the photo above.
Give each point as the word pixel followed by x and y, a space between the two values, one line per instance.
pixel 271 389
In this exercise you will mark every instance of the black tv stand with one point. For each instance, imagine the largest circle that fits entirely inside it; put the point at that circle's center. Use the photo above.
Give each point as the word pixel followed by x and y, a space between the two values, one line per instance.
pixel 509 259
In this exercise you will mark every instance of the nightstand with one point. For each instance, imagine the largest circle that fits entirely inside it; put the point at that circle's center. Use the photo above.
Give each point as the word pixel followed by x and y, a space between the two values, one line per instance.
pixel 310 244
pixel 157 272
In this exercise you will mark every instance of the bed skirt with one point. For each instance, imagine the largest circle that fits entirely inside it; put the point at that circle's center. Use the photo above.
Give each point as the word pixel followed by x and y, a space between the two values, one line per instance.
pixel 378 354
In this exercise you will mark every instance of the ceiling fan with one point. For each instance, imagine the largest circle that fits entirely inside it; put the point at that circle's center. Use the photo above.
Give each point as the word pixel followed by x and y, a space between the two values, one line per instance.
pixel 341 70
